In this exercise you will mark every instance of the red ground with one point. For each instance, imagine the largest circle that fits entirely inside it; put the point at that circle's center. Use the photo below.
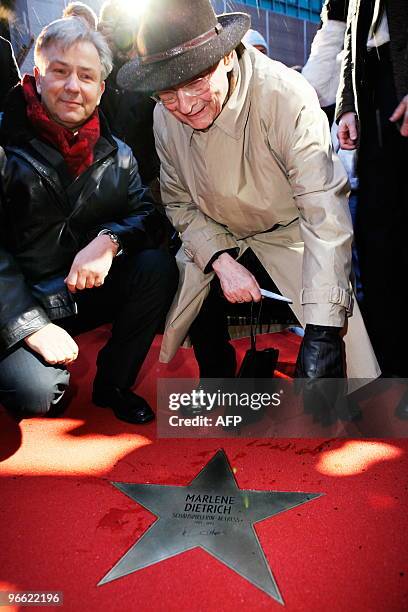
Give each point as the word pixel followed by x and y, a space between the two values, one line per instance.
pixel 63 525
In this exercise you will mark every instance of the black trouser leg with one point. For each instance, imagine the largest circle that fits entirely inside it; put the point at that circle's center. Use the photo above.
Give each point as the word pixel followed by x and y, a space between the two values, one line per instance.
pixel 135 297
pixel 145 289
pixel 210 338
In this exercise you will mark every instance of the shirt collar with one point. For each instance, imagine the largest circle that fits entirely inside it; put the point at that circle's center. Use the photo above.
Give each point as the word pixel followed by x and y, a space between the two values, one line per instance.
pixel 234 115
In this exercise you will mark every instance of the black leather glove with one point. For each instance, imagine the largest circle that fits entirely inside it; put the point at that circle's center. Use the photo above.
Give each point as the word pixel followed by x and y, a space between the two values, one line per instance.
pixel 321 357
pixel 321 353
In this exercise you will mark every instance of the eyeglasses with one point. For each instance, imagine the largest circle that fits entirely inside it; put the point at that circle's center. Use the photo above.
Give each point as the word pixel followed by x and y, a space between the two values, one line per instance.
pixel 197 87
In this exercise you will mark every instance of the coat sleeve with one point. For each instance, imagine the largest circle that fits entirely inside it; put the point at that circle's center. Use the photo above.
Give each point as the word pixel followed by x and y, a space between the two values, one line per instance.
pixel 321 68
pixel 345 102
pixel 143 226
pixel 202 236
pixel 20 314
pixel 319 185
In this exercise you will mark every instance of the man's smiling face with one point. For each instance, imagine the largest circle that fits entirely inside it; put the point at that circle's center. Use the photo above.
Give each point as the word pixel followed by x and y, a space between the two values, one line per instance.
pixel 200 110
pixel 69 82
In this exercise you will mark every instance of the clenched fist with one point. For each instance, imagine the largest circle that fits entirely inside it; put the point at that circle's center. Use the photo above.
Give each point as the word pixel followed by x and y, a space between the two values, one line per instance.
pixel 92 264
pixel 348 131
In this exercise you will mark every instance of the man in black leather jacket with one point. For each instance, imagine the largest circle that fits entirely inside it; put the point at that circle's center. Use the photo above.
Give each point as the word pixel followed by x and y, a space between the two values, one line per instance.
pixel 77 235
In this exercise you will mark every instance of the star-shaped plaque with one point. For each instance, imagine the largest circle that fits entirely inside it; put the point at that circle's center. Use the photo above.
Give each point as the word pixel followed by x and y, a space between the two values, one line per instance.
pixel 212 513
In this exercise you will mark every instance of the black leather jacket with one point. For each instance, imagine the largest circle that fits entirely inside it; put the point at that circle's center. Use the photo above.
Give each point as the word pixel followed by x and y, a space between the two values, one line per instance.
pixel 46 217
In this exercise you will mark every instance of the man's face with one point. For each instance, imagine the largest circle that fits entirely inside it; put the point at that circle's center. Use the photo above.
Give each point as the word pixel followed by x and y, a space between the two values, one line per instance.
pixel 201 110
pixel 69 83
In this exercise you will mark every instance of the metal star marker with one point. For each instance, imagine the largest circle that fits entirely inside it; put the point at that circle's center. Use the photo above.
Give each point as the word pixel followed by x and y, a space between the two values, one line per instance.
pixel 212 513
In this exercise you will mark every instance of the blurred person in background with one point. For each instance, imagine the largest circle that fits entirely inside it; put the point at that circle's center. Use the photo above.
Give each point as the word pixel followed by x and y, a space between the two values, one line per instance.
pixel 79 9
pixel 9 71
pixel 255 38
pixel 322 70
pixel 372 112
pixel 323 66
pixel 129 114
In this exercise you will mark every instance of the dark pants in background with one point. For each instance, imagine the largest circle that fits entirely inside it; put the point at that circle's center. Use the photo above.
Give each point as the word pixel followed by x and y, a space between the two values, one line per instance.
pixel 381 218
pixel 135 297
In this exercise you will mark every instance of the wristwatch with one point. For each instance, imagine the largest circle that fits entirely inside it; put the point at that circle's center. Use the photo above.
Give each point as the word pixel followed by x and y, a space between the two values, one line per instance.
pixel 114 238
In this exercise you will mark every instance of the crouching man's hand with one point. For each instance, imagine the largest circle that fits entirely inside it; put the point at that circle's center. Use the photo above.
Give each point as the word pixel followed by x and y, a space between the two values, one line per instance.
pixel 92 264
pixel 237 283
pixel 54 344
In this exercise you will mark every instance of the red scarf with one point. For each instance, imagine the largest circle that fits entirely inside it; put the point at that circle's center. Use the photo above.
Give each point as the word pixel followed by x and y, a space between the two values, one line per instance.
pixel 76 149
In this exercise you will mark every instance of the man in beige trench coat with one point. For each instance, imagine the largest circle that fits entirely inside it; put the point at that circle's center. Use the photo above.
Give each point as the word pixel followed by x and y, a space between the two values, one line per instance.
pixel 247 175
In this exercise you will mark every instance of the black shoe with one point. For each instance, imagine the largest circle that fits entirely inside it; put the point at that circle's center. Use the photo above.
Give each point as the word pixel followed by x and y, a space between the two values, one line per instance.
pixel 126 405
pixel 401 410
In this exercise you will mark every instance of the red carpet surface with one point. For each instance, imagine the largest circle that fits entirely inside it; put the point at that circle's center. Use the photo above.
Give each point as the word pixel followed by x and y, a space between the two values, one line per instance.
pixel 63 525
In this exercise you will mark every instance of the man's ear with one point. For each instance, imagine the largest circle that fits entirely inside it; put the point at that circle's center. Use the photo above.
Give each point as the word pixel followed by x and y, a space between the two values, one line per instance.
pixel 102 90
pixel 37 76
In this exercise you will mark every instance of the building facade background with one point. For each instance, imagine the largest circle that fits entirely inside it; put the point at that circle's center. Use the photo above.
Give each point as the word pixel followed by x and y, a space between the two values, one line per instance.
pixel 288 26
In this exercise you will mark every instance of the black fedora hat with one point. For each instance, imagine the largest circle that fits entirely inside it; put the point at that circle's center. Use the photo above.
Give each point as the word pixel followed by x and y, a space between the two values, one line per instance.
pixel 179 39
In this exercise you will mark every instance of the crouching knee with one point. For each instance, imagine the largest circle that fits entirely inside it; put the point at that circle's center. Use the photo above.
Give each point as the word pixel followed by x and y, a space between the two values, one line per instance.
pixel 38 397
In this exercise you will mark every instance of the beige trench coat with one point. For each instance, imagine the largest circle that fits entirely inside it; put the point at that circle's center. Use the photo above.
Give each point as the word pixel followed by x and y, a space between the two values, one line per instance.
pixel 263 176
